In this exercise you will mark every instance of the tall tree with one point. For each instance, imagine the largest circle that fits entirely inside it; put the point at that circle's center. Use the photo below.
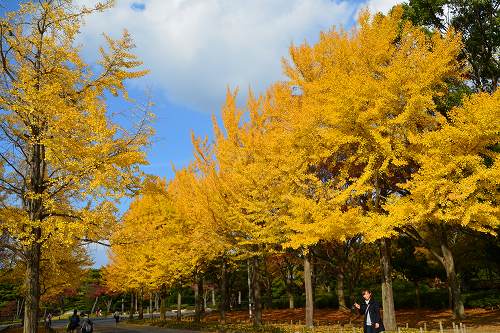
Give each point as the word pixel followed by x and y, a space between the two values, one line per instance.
pixel 365 95
pixel 51 167
pixel 477 21
pixel 456 185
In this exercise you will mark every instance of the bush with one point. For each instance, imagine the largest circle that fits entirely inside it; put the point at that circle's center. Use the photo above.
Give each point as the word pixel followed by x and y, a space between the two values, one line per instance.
pixel 482 299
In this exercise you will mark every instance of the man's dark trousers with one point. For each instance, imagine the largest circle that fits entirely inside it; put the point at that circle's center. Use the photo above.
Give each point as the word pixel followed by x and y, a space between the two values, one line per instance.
pixel 369 329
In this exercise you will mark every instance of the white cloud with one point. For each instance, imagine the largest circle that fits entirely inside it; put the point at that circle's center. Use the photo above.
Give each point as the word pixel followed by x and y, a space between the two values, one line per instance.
pixel 381 5
pixel 196 48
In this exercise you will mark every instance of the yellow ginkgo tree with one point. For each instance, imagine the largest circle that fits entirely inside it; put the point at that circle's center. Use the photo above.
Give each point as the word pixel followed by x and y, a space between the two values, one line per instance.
pixel 63 158
pixel 248 184
pixel 456 186
pixel 365 95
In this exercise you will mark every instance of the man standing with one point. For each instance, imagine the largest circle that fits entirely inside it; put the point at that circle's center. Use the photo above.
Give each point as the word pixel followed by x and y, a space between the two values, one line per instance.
pixel 371 310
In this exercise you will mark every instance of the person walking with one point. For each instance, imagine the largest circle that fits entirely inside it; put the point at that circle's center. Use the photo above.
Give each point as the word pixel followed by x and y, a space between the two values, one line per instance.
pixel 116 315
pixel 74 322
pixel 87 324
pixel 372 322
pixel 48 320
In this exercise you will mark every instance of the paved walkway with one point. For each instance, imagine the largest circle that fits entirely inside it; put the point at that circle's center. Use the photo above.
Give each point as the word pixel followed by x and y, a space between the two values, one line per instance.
pixel 108 326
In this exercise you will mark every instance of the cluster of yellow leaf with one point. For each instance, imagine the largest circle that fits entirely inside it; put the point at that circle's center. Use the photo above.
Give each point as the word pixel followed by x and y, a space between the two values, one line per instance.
pixel 361 149
pixel 459 174
pixel 163 239
pixel 63 148
pixel 63 267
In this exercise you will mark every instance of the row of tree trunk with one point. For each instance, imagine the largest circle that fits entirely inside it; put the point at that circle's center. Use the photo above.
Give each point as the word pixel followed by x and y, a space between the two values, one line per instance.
pixel 255 292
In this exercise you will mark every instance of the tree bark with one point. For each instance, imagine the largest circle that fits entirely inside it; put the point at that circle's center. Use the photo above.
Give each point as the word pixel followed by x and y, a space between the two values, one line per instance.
pixel 445 257
pixel 417 295
pixel 140 302
pixel 94 305
pixel 108 305
pixel 291 300
pixel 179 303
pixel 453 282
pixel 257 299
pixel 161 297
pixel 269 294
pixel 289 287
pixel 223 294
pixel 250 291
pixel 199 306
pixel 309 291
pixel 151 311
pixel 340 291
pixel 32 285
pixel 387 292
pixel 136 297
pixel 131 312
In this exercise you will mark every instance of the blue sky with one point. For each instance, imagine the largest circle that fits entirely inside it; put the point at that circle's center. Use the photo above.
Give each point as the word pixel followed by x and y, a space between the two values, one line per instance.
pixel 195 49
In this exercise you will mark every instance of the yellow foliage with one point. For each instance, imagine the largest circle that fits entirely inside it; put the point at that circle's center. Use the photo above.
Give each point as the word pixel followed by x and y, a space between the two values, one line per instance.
pixel 366 95
pixel 459 174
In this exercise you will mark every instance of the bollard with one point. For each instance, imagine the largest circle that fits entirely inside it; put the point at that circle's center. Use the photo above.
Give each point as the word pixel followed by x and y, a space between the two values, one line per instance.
pixel 425 326
pixel 406 325
pixel 421 330
pixel 399 330
pixel 440 326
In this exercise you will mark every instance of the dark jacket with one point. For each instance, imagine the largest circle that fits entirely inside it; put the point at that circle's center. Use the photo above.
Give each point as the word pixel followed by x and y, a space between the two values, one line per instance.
pixel 74 322
pixel 374 310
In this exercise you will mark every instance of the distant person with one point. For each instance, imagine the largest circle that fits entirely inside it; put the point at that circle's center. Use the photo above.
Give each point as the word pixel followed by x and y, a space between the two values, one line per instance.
pixel 74 322
pixel 48 320
pixel 372 322
pixel 87 324
pixel 116 315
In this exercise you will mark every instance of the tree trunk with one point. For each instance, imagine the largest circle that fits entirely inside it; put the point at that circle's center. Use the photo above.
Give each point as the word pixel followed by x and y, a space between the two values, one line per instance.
pixel 417 295
pixel 199 308
pixel 179 303
pixel 250 292
pixel 257 299
pixel 269 294
pixel 309 291
pixel 340 291
pixel 291 302
pixel 32 285
pixel 161 297
pixel 108 305
pixel 387 292
pixel 123 305
pixel 151 306
pixel 140 302
pixel 223 294
pixel 453 282
pixel 131 312
pixel 95 304
pixel 289 288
